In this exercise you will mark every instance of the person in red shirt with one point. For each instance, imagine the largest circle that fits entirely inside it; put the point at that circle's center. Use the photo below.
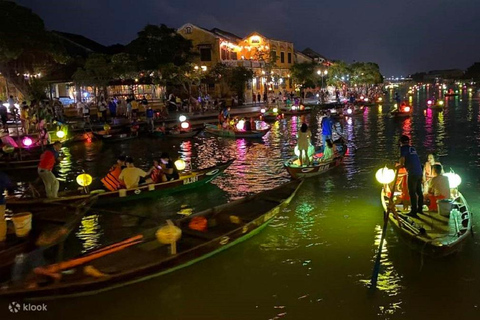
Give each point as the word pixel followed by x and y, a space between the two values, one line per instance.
pixel 47 162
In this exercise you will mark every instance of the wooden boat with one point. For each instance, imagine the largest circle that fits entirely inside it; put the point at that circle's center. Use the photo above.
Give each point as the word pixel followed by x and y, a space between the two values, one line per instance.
pixel 318 167
pixel 115 135
pixel 297 111
pixel 142 257
pixel 188 180
pixel 7 165
pixel 213 129
pixel 178 135
pixel 431 233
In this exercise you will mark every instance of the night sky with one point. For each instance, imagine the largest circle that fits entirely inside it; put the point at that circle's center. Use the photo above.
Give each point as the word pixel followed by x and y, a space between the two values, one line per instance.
pixel 402 36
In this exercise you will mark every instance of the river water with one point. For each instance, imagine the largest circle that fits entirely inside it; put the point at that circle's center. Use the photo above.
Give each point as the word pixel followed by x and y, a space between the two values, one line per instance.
pixel 315 259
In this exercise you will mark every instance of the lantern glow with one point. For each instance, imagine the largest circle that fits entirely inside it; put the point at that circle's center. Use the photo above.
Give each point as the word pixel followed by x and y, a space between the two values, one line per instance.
pixel 453 179
pixel 185 125
pixel 440 102
pixel 429 102
pixel 180 164
pixel 60 134
pixel 27 142
pixel 262 110
pixel 407 109
pixel 84 179
pixel 310 152
pixel 240 125
pixel 385 175
pixel 349 111
pixel 182 118
pixel 380 99
pixel 275 110
pixel 107 127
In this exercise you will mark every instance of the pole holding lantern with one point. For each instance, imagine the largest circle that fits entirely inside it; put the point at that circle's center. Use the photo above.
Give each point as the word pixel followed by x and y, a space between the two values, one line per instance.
pixel 84 180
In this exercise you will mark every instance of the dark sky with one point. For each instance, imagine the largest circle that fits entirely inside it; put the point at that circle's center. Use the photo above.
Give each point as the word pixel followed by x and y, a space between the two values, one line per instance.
pixel 402 36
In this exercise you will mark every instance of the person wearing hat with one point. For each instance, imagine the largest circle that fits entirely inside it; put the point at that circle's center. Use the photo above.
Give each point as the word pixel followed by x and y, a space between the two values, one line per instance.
pixel 131 175
pixel 410 160
pixel 47 161
pixel 168 167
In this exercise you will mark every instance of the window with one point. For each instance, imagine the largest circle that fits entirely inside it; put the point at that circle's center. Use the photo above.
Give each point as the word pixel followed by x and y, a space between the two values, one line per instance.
pixel 282 57
pixel 289 57
pixel 205 54
pixel 274 55
pixel 224 54
pixel 188 30
pixel 233 56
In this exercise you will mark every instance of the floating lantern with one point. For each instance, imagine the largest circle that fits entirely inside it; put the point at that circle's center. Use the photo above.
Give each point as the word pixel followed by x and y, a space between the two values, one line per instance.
pixel 185 125
pixel 8 148
pixel 453 179
pixel 262 110
pixel 182 118
pixel 84 179
pixel 241 125
pixel 27 142
pixel 180 164
pixel 106 127
pixel 385 175
pixel 275 110
pixel 60 134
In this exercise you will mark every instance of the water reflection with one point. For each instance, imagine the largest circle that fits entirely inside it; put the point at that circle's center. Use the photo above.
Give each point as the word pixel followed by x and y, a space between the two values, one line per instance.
pixel 89 233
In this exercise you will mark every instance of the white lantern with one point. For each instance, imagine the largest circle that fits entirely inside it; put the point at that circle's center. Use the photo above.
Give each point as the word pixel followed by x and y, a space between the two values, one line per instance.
pixel 180 165
pixel 453 179
pixel 385 175
pixel 182 118
pixel 240 125
pixel 275 110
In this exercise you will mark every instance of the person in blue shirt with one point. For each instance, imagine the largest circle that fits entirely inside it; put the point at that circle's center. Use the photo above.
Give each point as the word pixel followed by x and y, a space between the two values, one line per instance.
pixel 410 160
pixel 150 118
pixel 327 126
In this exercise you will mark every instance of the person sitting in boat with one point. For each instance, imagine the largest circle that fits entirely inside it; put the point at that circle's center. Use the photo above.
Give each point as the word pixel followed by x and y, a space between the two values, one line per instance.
pixel 156 173
pixel 131 175
pixel 328 151
pixel 111 181
pixel 44 138
pixel 168 167
pixel 303 143
pixel 428 170
pixel 438 188
pixel 248 125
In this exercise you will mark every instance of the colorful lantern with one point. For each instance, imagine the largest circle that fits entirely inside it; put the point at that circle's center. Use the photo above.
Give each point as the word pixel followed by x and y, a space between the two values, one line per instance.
pixel 275 110
pixel 185 125
pixel 8 148
pixel 453 179
pixel 429 102
pixel 60 134
pixel 262 110
pixel 180 165
pixel 168 234
pixel 349 111
pixel 106 127
pixel 84 179
pixel 385 175
pixel 241 125
pixel 310 152
pixel 407 109
pixel 27 142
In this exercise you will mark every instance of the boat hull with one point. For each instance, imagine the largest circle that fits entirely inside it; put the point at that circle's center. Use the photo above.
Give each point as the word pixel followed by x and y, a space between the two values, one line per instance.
pixel 235 134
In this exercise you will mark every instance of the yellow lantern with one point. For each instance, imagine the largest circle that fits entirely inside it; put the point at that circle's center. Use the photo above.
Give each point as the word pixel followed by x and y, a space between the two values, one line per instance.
pixel 180 165
pixel 275 110
pixel 385 175
pixel 8 148
pixel 168 234
pixel 60 134
pixel 84 179
pixel 107 127
pixel 453 179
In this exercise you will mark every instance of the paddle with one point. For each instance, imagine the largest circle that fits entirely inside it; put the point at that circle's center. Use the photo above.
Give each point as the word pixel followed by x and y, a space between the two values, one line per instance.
pixel 376 267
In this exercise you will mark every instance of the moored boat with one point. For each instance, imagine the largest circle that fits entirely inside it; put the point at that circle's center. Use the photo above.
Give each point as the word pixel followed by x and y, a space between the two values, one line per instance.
pixel 188 180
pixel 434 233
pixel 142 256
pixel 213 129
pixel 178 134
pixel 297 171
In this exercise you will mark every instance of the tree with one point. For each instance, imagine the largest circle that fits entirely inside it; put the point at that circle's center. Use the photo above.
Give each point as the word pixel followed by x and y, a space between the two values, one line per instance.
pixel 27 50
pixel 97 72
pixel 473 72
pixel 186 76
pixel 365 73
pixel 158 46
pixel 234 77
pixel 338 72
pixel 304 73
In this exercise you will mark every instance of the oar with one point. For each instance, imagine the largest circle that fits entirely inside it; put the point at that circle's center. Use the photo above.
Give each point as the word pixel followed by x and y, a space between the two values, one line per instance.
pixel 376 267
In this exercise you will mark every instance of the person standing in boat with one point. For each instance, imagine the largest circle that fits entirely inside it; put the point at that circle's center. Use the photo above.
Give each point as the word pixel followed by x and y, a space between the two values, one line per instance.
pixel 48 160
pixel 438 187
pixel 327 127
pixel 168 167
pixel 131 175
pixel 410 160
pixel 111 180
pixel 304 137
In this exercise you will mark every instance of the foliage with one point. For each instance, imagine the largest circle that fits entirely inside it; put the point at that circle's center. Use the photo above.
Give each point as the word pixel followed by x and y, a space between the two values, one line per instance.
pixel 25 46
pixel 304 73
pixel 365 73
pixel 187 76
pixel 97 71
pixel 158 46
pixel 418 77
pixel 37 89
pixel 234 77
pixel 336 72
pixel 473 72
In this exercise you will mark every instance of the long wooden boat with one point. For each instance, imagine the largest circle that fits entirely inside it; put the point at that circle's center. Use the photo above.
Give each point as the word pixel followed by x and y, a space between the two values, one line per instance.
pixel 142 257
pixel 213 129
pixel 318 167
pixel 7 165
pixel 431 233
pixel 188 180
pixel 178 135
pixel 398 113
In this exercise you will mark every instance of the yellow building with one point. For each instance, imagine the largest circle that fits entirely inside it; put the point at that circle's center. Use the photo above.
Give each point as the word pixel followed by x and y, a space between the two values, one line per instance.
pixel 269 59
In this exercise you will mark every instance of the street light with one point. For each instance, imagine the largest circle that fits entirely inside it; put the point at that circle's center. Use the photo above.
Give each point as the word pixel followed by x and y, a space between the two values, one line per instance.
pixel 323 74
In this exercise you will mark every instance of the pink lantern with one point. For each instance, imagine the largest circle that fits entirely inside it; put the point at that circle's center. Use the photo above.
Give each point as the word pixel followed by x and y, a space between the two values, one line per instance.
pixel 27 142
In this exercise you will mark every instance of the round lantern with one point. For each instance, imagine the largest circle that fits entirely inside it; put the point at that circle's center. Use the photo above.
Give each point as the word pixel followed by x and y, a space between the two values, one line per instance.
pixel 185 125
pixel 180 164
pixel 262 110
pixel 275 110
pixel 240 125
pixel 168 234
pixel 84 179
pixel 310 152
pixel 27 142
pixel 453 179
pixel 407 109
pixel 385 175
pixel 8 148
pixel 106 127
pixel 60 134
pixel 182 118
